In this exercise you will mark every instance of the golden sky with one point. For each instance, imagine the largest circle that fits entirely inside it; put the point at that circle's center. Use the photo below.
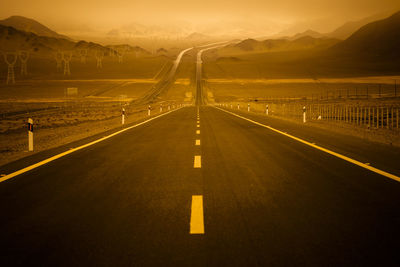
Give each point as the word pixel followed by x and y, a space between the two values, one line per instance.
pixel 112 13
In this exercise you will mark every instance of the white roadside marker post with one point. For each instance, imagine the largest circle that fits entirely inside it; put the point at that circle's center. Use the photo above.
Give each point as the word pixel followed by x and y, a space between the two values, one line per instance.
pixel 248 107
pixel 148 110
pixel 169 107
pixel 30 134
pixel 266 110
pixel 304 114
pixel 123 116
pixel 238 106
pixel 160 108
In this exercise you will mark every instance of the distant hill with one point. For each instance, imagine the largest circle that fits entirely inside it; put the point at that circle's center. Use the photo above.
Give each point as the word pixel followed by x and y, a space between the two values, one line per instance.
pixel 129 48
pixel 195 36
pixel 347 29
pixel 309 33
pixel 380 39
pixel 161 51
pixel 308 42
pixel 30 25
pixel 305 42
pixel 249 45
pixel 12 39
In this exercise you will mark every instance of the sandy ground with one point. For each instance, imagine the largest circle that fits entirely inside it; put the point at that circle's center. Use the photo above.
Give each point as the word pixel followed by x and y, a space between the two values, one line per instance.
pixel 56 127
pixel 373 87
pixel 293 112
pixel 60 119
pixel 356 80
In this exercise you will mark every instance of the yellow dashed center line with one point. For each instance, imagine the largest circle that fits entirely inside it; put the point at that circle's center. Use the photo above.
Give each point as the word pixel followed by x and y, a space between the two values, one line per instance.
pixel 197 142
pixel 197 161
pixel 197 216
pixel 197 131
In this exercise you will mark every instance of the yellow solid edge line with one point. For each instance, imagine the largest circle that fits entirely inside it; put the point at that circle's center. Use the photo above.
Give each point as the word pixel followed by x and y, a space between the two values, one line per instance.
pixel 43 162
pixel 197 215
pixel 356 162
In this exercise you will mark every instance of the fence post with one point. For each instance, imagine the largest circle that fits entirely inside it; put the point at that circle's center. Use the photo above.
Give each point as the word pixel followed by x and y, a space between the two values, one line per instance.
pixel 369 116
pixel 392 117
pixel 30 134
pixel 362 117
pixel 373 117
pixel 387 118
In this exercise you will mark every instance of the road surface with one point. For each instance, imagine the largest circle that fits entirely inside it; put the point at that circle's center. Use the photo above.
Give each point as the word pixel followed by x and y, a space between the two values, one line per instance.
pixel 203 187
pixel 267 201
pixel 200 98
pixel 165 82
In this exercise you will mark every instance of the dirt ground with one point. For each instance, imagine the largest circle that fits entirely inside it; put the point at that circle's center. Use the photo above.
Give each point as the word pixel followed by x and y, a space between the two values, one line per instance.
pixel 235 88
pixel 59 123
pixel 60 118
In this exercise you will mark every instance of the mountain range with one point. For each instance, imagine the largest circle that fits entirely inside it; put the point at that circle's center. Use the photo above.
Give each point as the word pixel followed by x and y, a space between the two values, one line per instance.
pixel 20 33
pixel 379 39
pixel 273 45
pixel 12 39
pixel 30 25
pixel 348 28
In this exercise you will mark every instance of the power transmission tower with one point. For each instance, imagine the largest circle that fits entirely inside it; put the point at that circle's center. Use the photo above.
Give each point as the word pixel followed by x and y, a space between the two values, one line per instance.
pixel 67 56
pixel 83 54
pixel 59 58
pixel 10 58
pixel 111 52
pixel 99 57
pixel 24 56
pixel 121 53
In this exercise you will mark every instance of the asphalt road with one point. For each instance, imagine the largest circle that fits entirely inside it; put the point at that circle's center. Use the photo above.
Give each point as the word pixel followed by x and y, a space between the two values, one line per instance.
pixel 164 82
pixel 200 97
pixel 267 200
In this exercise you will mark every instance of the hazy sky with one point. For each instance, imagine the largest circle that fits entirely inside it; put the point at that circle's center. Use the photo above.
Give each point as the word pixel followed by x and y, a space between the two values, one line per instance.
pixel 59 14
